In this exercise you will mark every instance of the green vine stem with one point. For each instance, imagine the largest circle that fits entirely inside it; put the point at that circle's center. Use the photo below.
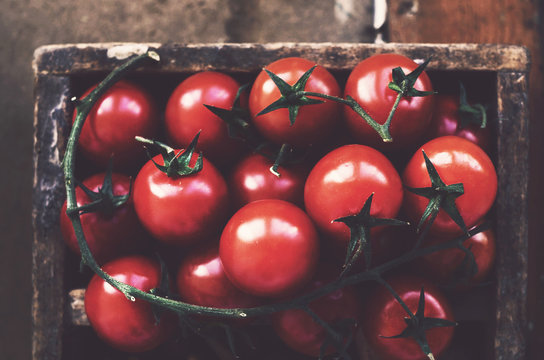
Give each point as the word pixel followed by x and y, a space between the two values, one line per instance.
pixel 132 293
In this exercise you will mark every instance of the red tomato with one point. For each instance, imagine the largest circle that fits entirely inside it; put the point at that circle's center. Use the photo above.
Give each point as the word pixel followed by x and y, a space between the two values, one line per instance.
pixel 124 111
pixel 186 115
pixel 269 248
pixel 368 85
pixel 181 210
pixel 300 331
pixel 313 123
pixel 108 235
pixel 457 161
pixel 446 121
pixel 201 280
pixel 126 325
pixel 384 316
pixel 340 183
pixel 251 179
pixel 441 266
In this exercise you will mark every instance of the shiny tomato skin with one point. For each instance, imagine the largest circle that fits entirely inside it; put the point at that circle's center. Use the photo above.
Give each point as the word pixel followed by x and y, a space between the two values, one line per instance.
pixel 313 122
pixel 446 121
pixel 457 161
pixel 384 316
pixel 126 110
pixel 186 115
pixel 251 180
pixel 183 210
pixel 107 236
pixel 441 266
pixel 368 85
pixel 201 280
pixel 126 325
pixel 300 331
pixel 340 183
pixel 269 248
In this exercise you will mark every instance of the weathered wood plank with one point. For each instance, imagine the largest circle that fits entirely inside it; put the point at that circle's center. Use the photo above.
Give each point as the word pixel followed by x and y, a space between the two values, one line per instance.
pixel 52 99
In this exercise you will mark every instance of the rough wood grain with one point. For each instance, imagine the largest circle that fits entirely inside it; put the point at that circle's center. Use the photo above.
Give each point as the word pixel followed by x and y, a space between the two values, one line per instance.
pixel 48 249
pixel 512 214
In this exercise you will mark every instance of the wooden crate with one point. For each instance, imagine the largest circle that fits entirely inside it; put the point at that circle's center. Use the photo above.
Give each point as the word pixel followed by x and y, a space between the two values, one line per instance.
pixel 498 72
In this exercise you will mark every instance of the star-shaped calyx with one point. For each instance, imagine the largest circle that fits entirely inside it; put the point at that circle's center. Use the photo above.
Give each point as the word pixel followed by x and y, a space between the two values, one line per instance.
pixel 236 118
pixel 292 97
pixel 175 164
pixel 441 196
pixel 103 200
pixel 417 324
pixel 404 84
pixel 360 225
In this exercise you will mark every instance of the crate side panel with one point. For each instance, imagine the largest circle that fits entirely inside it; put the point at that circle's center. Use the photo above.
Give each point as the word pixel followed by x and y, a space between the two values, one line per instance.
pixel 512 229
pixel 69 59
pixel 51 102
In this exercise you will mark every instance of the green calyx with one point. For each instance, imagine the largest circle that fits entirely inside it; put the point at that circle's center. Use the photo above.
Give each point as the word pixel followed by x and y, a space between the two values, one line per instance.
pixel 103 200
pixel 360 225
pixel 236 118
pixel 470 114
pixel 417 324
pixel 404 84
pixel 175 165
pixel 292 97
pixel 441 196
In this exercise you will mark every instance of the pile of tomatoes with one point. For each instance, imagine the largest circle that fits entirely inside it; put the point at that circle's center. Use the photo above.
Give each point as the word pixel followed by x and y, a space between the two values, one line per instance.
pixel 238 227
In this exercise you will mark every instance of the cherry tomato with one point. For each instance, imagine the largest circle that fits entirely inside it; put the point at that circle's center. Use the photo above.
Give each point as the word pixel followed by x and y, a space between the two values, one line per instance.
pixel 384 317
pixel 313 122
pixel 201 280
pixel 123 112
pixel 108 235
pixel 181 210
pixel 340 183
pixel 302 333
pixel 269 248
pixel 441 266
pixel 126 325
pixel 368 85
pixel 251 179
pixel 186 115
pixel 457 161
pixel 446 121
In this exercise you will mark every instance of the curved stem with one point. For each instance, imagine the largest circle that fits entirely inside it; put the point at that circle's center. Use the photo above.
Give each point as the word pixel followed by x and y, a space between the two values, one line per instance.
pixel 381 129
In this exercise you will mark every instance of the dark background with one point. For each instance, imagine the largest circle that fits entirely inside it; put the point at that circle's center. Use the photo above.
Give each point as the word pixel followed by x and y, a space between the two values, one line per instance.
pixel 27 24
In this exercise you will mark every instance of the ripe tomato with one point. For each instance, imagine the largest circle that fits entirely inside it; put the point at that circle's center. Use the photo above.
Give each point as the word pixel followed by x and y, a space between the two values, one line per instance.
pixel 441 266
pixel 201 280
pixel 269 248
pixel 384 317
pixel 313 123
pixel 302 333
pixel 181 210
pixel 108 235
pixel 251 179
pixel 124 111
pixel 126 325
pixel 186 115
pixel 457 161
pixel 340 183
pixel 446 121
pixel 368 85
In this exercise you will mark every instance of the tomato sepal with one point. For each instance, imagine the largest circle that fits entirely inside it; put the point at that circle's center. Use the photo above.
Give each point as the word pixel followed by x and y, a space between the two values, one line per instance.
pixel 292 97
pixel 360 225
pixel 175 165
pixel 441 196
pixel 417 324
